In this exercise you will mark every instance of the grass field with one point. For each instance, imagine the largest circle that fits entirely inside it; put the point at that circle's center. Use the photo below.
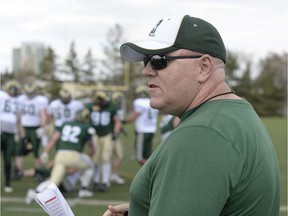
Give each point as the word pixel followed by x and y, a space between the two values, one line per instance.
pixel 13 204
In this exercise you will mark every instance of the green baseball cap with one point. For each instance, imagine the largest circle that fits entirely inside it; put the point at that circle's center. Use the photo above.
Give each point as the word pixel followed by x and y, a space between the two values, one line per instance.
pixel 177 32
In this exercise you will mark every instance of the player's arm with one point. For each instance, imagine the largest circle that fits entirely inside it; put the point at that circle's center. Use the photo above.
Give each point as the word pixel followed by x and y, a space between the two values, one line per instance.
pixel 91 148
pixel 44 157
pixel 132 117
pixel 44 118
pixel 50 115
pixel 117 124
pixel 21 130
pixel 52 141
pixel 51 112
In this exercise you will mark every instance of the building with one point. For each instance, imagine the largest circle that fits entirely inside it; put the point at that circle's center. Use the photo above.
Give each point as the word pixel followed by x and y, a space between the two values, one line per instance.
pixel 28 57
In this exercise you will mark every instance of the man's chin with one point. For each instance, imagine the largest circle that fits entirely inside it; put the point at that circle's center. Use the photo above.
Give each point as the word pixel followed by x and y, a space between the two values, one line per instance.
pixel 156 104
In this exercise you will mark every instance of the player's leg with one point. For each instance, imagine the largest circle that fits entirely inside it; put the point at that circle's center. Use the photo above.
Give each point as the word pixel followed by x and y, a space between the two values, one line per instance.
pixel 103 163
pixel 86 164
pixel 139 146
pixel 8 160
pixel 118 155
pixel 106 162
pixel 7 147
pixel 29 198
pixel 23 147
pixel 36 143
pixel 147 147
pixel 80 161
pixel 97 142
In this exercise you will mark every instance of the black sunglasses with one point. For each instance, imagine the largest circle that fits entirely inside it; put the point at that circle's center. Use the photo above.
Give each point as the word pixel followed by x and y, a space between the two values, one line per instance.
pixel 158 62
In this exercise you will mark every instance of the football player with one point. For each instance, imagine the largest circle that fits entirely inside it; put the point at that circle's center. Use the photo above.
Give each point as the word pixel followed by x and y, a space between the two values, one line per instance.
pixel 64 108
pixel 145 119
pixel 33 121
pixel 9 124
pixel 61 110
pixel 72 138
pixel 118 153
pixel 104 118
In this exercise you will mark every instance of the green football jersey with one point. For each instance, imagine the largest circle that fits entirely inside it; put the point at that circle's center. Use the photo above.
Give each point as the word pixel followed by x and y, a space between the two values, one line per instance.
pixel 73 136
pixel 102 118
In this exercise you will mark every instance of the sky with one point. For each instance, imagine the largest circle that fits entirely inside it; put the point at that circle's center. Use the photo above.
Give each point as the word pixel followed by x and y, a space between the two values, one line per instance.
pixel 251 27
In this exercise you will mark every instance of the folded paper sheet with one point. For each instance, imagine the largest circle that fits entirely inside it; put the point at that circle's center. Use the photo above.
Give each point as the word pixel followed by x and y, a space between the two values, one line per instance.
pixel 53 202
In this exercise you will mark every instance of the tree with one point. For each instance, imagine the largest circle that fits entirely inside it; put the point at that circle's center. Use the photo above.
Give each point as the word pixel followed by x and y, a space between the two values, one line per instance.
pixel 113 65
pixel 136 78
pixel 25 74
pixel 244 87
pixel 5 76
pixel 48 66
pixel 271 85
pixel 72 68
pixel 232 66
pixel 88 67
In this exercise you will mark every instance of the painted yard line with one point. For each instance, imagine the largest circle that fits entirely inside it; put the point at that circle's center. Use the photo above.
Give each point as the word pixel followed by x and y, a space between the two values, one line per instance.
pixel 21 209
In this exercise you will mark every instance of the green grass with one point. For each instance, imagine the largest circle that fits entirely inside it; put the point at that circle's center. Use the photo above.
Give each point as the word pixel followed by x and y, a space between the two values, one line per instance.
pixel 277 127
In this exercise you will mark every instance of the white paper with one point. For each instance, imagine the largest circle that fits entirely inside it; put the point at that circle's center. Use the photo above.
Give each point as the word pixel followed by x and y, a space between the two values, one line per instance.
pixel 53 202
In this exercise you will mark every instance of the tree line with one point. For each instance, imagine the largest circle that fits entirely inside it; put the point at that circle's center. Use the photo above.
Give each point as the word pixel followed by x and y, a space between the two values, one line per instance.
pixel 266 91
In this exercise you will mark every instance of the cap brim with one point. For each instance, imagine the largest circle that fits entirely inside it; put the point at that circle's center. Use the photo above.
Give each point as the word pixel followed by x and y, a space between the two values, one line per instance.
pixel 135 52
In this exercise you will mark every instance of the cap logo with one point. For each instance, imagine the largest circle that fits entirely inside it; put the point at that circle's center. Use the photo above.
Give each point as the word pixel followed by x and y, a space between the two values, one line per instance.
pixel 152 33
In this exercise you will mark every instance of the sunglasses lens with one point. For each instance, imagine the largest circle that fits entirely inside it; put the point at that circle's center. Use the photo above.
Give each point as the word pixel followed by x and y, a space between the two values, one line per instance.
pixel 158 62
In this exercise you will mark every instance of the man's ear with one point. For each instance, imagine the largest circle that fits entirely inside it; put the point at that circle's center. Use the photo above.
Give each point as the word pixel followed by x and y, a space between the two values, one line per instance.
pixel 206 66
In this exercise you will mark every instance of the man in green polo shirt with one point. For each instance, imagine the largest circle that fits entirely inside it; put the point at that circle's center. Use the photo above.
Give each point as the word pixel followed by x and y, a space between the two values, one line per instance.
pixel 220 159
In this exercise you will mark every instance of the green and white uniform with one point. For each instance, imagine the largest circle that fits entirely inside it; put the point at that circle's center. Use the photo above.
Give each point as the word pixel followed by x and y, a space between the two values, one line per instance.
pixel 69 154
pixel 30 109
pixel 8 118
pixel 74 135
pixel 145 127
pixel 101 119
pixel 64 112
pixel 218 161
pixel 118 151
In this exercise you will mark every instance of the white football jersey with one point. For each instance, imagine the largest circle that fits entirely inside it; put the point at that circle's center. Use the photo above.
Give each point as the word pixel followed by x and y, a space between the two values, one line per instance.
pixel 30 110
pixel 8 112
pixel 64 112
pixel 147 120
pixel 45 100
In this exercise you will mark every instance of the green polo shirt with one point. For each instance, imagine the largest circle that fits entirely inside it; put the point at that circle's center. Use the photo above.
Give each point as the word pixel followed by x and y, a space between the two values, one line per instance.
pixel 219 161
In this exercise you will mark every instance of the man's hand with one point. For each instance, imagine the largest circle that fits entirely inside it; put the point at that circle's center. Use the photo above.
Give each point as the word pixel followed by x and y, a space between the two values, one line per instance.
pixel 118 210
